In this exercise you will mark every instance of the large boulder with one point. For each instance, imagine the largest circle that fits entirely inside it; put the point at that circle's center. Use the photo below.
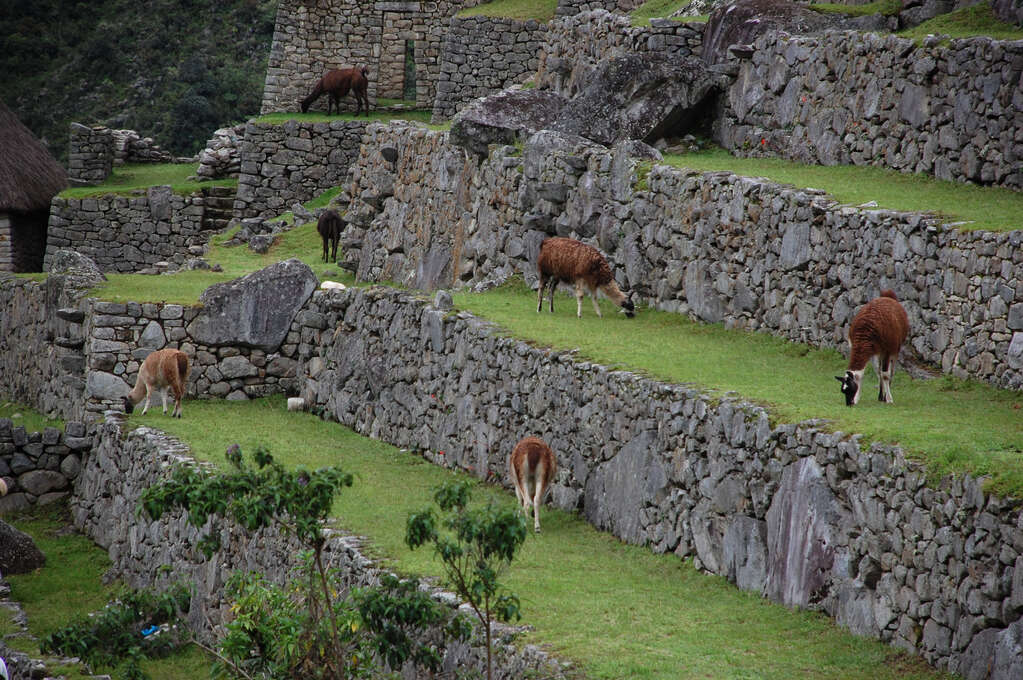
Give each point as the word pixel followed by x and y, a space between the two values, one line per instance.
pixel 255 310
pixel 503 118
pixel 75 270
pixel 743 21
pixel 18 552
pixel 638 96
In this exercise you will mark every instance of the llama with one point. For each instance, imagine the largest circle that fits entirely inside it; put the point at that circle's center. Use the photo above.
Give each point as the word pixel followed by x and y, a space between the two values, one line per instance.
pixel 329 225
pixel 336 83
pixel 878 330
pixel 532 462
pixel 570 261
pixel 163 370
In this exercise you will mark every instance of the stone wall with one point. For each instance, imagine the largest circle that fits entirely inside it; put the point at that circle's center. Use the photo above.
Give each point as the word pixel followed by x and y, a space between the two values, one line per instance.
pixel 312 38
pixel 746 252
pixel 292 162
pixel 807 518
pixel 41 359
pixel 91 154
pixel 572 7
pixel 147 553
pixel 482 55
pixel 576 44
pixel 865 99
pixel 129 233
pixel 39 467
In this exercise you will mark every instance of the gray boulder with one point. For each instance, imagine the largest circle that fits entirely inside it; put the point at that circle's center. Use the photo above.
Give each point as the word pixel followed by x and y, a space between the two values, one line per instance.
pixel 994 654
pixel 638 96
pixel 1009 11
pixel 255 310
pixel 503 118
pixel 18 552
pixel 743 21
pixel 74 270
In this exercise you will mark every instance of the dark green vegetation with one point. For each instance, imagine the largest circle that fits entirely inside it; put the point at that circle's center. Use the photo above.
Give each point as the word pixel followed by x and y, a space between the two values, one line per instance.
pixel 966 23
pixel 991 208
pixel 658 9
pixel 886 7
pixel 138 177
pixel 619 611
pixel 170 70
pixel 541 10
pixel 952 426
pixel 70 586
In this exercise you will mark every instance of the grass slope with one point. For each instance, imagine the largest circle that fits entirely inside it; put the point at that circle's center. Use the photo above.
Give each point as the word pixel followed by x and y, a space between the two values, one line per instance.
pixel 991 208
pixel 71 586
pixel 967 22
pixel 136 177
pixel 541 10
pixel 660 9
pixel 618 611
pixel 952 426
pixel 27 417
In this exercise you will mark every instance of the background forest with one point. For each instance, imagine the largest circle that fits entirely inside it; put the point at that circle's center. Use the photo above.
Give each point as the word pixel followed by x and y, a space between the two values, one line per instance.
pixel 173 70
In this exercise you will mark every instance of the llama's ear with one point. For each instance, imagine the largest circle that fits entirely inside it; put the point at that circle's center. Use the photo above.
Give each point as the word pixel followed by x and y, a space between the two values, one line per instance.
pixel 840 378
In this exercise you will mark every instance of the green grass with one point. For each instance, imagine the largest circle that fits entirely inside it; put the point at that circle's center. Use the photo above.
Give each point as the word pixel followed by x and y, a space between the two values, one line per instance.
pixel 541 10
pixel 27 417
pixel 185 287
pixel 885 7
pixel 385 101
pixel 580 588
pixel 992 208
pixel 951 426
pixel 69 586
pixel 132 177
pixel 658 9
pixel 322 117
pixel 966 23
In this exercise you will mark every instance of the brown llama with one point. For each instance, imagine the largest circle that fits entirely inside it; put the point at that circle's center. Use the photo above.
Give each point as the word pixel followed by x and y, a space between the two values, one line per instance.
pixel 566 260
pixel 329 226
pixel 878 330
pixel 532 462
pixel 163 370
pixel 336 83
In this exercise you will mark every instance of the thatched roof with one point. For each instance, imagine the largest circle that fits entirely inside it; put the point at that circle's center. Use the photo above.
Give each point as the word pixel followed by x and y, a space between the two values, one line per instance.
pixel 29 175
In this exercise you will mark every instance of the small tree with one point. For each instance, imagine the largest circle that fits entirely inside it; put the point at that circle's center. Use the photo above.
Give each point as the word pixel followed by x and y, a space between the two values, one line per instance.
pixel 475 550
pixel 305 629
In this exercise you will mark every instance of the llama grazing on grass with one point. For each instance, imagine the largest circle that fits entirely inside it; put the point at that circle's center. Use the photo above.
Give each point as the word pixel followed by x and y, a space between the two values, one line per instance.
pixel 336 83
pixel 878 330
pixel 569 261
pixel 163 370
pixel 330 225
pixel 532 463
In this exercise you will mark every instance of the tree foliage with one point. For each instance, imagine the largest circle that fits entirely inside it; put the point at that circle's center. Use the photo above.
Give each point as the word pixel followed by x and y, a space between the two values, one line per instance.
pixel 475 546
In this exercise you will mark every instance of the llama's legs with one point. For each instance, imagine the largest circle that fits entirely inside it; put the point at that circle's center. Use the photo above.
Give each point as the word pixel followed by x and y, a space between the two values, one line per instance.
pixel 163 399
pixel 579 293
pixel 539 294
pixel 541 472
pixel 552 283
pixel 148 393
pixel 596 307
pixel 887 369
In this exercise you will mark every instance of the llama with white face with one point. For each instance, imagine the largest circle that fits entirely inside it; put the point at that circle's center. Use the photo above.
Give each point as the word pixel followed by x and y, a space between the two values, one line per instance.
pixel 878 330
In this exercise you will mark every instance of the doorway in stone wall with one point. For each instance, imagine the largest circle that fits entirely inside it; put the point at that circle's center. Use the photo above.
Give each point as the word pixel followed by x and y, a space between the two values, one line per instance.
pixel 409 89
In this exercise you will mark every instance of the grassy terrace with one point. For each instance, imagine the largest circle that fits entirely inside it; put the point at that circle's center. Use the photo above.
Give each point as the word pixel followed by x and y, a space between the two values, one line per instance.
pixel 69 586
pixel 375 116
pixel 978 207
pixel 26 417
pixel 580 588
pixel 541 10
pixel 134 177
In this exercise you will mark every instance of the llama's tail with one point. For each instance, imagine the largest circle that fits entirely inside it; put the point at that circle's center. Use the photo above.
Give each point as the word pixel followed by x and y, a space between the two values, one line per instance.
pixel 182 366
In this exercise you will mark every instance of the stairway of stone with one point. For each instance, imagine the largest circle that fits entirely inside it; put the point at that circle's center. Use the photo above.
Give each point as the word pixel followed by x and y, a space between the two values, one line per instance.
pixel 219 204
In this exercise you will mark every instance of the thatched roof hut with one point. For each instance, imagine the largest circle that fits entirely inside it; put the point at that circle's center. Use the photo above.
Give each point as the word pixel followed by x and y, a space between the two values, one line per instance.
pixel 29 175
pixel 29 178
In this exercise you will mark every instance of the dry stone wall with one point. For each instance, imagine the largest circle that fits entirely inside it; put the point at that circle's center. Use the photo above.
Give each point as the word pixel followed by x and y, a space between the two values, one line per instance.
pixel 864 99
pixel 311 38
pixel 91 154
pixel 154 553
pixel 807 518
pixel 39 467
pixel 572 7
pixel 292 162
pixel 482 55
pixel 722 248
pixel 129 233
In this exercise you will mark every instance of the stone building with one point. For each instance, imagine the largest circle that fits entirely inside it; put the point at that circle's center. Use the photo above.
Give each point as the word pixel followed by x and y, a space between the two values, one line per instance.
pixel 29 178
pixel 400 42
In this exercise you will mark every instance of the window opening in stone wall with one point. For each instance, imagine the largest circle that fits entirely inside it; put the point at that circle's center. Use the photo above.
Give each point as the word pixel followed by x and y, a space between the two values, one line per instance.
pixel 409 91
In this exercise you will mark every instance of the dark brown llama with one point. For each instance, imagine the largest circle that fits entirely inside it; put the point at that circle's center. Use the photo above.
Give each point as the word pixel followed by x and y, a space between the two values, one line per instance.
pixel 336 83
pixel 330 225
pixel 569 261
pixel 878 330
